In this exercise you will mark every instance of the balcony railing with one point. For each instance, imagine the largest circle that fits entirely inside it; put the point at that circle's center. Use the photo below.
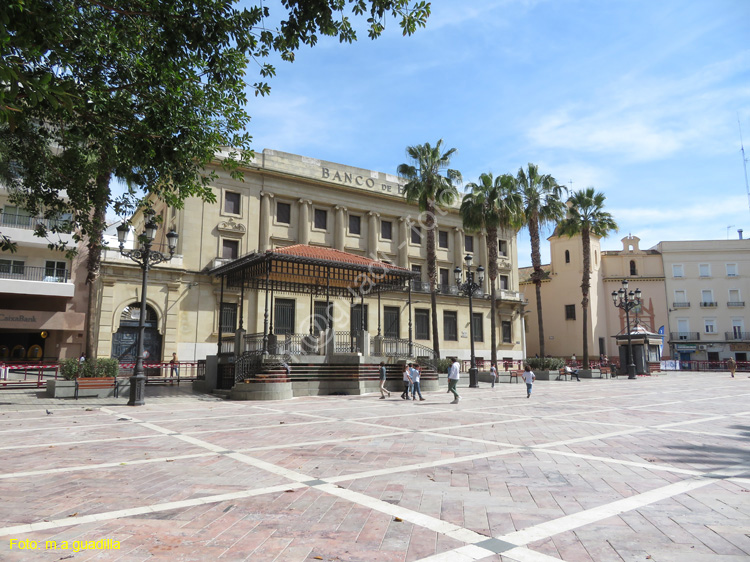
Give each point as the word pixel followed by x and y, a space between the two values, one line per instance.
pixel 26 222
pixel 737 336
pixel 420 287
pixel 684 336
pixel 683 304
pixel 708 304
pixel 28 273
pixel 736 304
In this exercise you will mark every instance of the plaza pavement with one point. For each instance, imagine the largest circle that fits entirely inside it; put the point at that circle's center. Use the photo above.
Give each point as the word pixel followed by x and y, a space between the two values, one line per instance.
pixel 614 470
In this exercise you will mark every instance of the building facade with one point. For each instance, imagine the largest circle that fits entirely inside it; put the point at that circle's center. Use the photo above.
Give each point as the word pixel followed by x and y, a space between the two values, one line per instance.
pixel 287 199
pixel 706 282
pixel 43 295
pixel 561 296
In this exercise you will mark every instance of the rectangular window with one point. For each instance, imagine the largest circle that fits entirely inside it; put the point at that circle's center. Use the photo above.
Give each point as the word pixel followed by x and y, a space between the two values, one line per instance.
pixel 55 270
pixel 442 238
pixel 386 230
pixel 12 267
pixel 502 248
pixel 469 243
pixel 417 269
pixel 355 225
pixel 391 322
pixel 421 324
pixel 570 312
pixel 709 325
pixel 731 270
pixel 321 318
pixel 416 235
pixel 355 319
pixel 450 325
pixel 677 270
pixel 477 320
pixel 230 249
pixel 444 280
pixel 283 320
pixel 228 318
pixel 506 329
pixel 707 297
pixel 321 219
pixel 283 212
pixel 232 203
pixel 704 270
pixel 504 282
pixel 734 295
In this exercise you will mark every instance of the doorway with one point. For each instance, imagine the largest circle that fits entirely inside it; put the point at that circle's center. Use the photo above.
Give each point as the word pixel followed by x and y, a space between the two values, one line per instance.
pixel 125 340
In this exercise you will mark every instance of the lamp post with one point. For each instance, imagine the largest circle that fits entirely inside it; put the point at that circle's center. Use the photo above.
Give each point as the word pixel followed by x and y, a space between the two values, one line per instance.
pixel 144 257
pixel 468 288
pixel 627 301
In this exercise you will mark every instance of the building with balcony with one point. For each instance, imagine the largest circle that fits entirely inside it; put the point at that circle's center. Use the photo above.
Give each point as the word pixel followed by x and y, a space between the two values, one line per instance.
pixel 43 295
pixel 287 200
pixel 706 282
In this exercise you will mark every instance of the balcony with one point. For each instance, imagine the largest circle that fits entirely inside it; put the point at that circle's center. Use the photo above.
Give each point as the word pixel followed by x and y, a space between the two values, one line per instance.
pixel 708 304
pixel 38 281
pixel 684 336
pixel 20 229
pixel 736 304
pixel 420 286
pixel 680 305
pixel 737 336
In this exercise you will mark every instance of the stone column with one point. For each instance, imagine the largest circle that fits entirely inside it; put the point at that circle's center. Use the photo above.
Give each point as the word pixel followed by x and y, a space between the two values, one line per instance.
pixel 403 242
pixel 372 235
pixel 264 233
pixel 481 258
pixel 458 248
pixel 339 228
pixel 303 228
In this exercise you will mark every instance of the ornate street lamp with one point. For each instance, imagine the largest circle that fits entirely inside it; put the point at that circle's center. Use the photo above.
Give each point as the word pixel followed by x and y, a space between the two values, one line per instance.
pixel 627 301
pixel 468 288
pixel 144 257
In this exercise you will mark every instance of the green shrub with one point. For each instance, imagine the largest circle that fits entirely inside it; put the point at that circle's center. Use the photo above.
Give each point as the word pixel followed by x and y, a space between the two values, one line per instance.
pixel 72 368
pixel 443 365
pixel 545 363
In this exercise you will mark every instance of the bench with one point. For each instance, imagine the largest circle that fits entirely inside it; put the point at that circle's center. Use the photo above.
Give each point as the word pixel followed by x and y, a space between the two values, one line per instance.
pixel 511 375
pixel 562 374
pixel 604 371
pixel 97 383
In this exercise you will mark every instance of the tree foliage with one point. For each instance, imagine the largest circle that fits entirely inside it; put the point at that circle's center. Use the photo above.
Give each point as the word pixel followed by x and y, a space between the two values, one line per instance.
pixel 586 216
pixel 432 190
pixel 492 204
pixel 146 91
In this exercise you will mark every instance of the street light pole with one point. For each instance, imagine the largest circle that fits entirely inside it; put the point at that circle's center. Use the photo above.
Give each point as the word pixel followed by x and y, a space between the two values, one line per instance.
pixel 627 301
pixel 145 257
pixel 468 288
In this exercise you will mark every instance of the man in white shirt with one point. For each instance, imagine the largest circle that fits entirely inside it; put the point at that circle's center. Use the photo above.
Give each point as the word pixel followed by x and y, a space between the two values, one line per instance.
pixel 453 374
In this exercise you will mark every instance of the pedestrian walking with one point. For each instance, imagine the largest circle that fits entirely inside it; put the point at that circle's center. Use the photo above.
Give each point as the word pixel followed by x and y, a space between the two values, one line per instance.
pixel 732 366
pixel 453 375
pixel 416 375
pixel 407 382
pixel 383 390
pixel 493 374
pixel 174 367
pixel 528 378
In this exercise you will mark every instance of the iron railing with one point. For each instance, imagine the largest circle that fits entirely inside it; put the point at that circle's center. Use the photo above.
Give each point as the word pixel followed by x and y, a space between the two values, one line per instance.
pixel 26 222
pixel 683 304
pixel 346 342
pixel 684 336
pixel 737 336
pixel 30 273
pixel 736 304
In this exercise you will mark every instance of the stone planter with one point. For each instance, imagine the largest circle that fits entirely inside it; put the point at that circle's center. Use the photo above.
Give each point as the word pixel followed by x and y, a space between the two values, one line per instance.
pixel 61 388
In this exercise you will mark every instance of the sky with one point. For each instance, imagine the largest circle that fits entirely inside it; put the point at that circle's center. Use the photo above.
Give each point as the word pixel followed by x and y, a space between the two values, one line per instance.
pixel 641 100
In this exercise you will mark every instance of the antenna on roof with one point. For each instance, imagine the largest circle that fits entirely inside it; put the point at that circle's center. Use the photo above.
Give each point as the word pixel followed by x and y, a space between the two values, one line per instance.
pixel 744 159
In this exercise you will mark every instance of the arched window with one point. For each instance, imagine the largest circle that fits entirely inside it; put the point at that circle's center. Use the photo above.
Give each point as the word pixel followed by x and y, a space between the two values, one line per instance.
pixel 567 256
pixel 633 270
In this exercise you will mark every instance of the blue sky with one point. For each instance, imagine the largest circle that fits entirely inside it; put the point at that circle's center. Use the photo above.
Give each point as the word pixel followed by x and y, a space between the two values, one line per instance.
pixel 637 98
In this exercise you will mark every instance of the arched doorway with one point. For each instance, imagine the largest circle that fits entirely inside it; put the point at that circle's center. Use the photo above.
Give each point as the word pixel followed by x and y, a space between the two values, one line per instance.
pixel 125 341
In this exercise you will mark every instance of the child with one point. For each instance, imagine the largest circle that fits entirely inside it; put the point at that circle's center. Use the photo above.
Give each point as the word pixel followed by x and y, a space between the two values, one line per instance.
pixel 493 374
pixel 528 377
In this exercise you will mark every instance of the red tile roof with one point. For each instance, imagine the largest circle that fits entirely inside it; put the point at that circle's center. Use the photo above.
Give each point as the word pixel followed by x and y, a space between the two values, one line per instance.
pixel 330 254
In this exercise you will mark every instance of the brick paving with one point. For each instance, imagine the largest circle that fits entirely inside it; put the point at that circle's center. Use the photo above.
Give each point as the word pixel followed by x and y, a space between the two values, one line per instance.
pixel 653 469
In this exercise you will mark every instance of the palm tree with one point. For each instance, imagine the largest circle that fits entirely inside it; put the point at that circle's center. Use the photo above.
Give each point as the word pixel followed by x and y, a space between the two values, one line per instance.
pixel 431 190
pixel 492 203
pixel 586 217
pixel 542 204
